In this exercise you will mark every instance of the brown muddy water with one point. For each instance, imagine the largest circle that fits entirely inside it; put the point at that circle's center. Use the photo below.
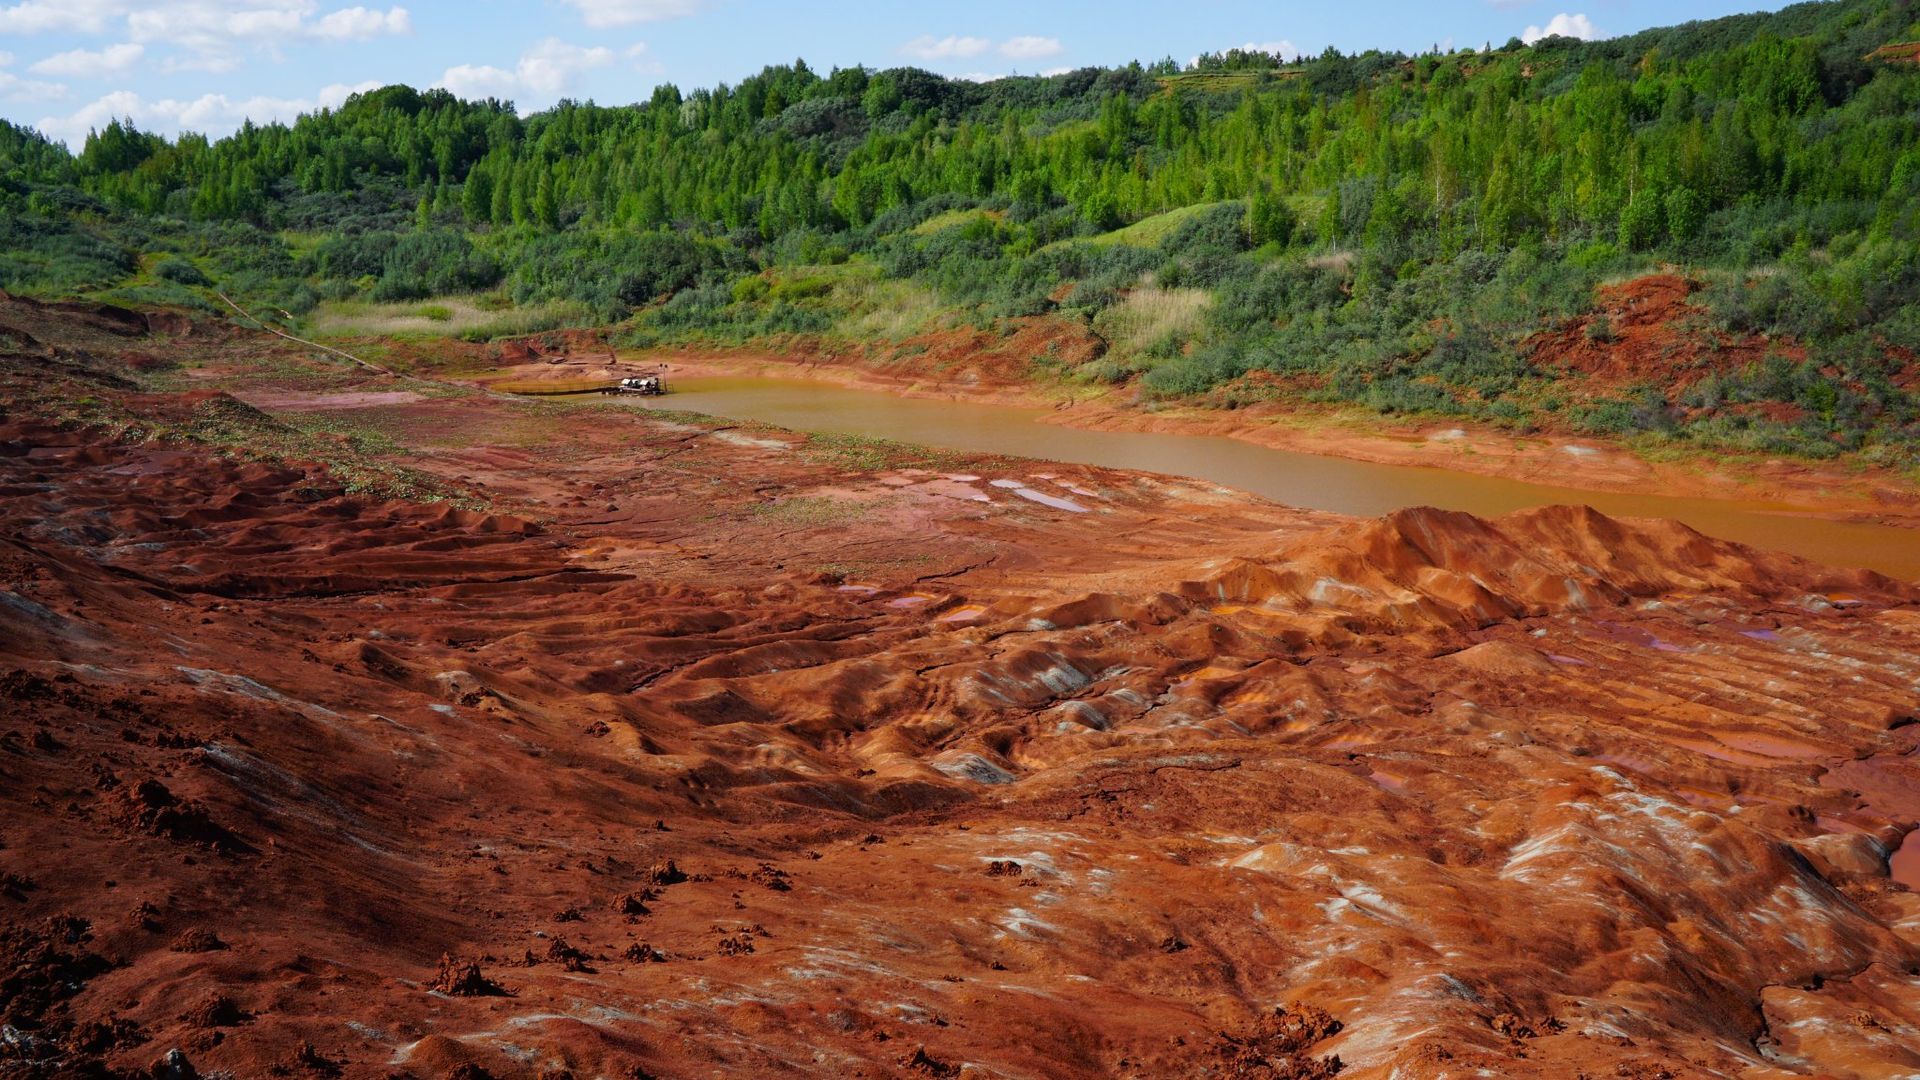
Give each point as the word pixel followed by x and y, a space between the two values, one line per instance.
pixel 1306 480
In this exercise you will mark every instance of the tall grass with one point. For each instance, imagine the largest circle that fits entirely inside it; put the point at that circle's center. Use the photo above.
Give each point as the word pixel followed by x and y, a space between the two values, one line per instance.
pixel 470 318
pixel 1151 318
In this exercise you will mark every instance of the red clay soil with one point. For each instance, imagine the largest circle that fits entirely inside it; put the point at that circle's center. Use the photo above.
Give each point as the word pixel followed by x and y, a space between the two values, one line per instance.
pixel 705 750
pixel 1898 52
pixel 1638 334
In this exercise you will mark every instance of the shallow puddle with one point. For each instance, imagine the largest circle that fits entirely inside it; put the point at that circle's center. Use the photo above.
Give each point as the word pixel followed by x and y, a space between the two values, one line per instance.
pixel 1905 864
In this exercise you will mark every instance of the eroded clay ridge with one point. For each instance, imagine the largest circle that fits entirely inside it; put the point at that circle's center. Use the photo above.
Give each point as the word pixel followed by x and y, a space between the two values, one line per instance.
pixel 615 779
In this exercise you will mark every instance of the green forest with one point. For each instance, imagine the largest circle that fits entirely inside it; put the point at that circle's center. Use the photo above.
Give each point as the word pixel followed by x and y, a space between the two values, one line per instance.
pixel 1381 230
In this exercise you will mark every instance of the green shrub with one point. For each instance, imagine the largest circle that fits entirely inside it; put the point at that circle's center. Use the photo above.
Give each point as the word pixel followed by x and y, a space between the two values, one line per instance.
pixel 801 288
pixel 179 271
pixel 535 320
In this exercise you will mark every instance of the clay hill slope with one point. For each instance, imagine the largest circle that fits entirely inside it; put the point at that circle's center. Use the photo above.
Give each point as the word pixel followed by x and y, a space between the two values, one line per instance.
pixel 692 749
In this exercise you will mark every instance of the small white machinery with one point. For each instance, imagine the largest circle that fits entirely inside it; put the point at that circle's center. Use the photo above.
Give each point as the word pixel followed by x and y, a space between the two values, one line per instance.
pixel 638 384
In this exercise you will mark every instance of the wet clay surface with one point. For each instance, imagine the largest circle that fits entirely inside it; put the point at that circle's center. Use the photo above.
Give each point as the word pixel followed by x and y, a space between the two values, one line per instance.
pixel 713 750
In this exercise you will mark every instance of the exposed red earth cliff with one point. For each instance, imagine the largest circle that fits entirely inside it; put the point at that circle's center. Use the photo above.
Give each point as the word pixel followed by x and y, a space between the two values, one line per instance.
pixel 1640 332
pixel 674 747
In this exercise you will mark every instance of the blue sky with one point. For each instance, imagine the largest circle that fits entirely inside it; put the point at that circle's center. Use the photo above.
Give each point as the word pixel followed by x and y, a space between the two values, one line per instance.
pixel 69 65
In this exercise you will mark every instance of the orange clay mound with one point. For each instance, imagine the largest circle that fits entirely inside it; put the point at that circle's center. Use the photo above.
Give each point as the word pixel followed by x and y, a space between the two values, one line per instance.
pixel 704 751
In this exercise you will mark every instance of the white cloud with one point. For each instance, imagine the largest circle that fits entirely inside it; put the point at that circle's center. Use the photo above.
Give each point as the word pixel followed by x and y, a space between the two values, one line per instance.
pixel 211 25
pixel 1028 47
pixel 543 71
pixel 1562 25
pixel 362 24
pixel 629 12
pixel 15 88
pixel 960 47
pixel 84 62
pixel 214 114
pixel 67 16
pixel 928 47
pixel 475 81
pixel 201 63
pixel 547 67
pixel 203 24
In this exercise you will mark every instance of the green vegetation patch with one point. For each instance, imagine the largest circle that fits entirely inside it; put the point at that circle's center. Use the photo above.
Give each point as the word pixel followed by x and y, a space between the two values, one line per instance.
pixel 867 454
pixel 818 511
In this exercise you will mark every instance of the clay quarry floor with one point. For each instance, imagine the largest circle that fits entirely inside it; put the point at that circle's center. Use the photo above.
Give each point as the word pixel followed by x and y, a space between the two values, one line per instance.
pixel 673 748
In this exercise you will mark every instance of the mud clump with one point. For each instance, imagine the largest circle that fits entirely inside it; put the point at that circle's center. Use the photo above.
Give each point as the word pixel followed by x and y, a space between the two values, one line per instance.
pixel 1277 1047
pixel 198 940
pixel 559 951
pixel 772 877
pixel 145 916
pixel 44 965
pixel 642 953
pixel 25 686
pixel 462 978
pixel 307 1059
pixel 16 886
pixel 154 809
pixel 92 1038
pixel 42 968
pixel 215 1011
pixel 1515 1027
pixel 925 1064
pixel 665 872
